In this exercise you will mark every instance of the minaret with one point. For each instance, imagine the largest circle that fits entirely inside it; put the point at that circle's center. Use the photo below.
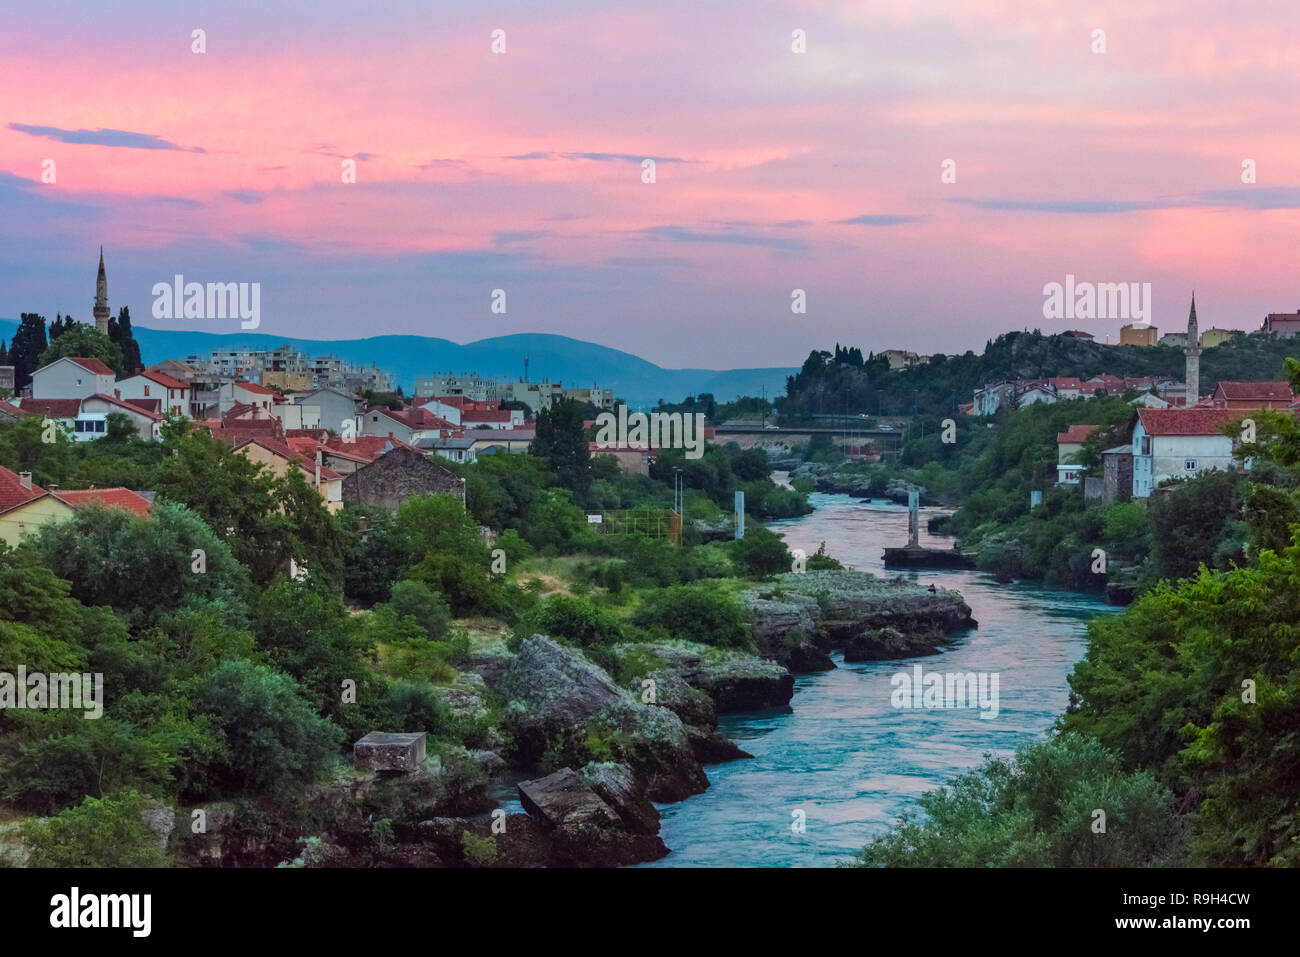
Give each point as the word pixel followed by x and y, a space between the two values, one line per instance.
pixel 1193 353
pixel 101 297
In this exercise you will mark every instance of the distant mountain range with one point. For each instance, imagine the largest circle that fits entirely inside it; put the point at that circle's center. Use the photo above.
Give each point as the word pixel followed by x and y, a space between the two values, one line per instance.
pixel 572 361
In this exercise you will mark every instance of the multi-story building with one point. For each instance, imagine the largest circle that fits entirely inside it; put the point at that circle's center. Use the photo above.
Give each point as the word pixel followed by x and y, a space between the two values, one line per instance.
pixel 1138 334
pixel 1284 325
pixel 1212 337
pixel 288 369
pixel 1179 443
pixel 600 398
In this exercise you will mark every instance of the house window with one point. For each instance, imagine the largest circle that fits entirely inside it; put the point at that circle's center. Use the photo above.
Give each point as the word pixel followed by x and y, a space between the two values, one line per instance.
pixel 1190 465
pixel 1146 445
pixel 146 391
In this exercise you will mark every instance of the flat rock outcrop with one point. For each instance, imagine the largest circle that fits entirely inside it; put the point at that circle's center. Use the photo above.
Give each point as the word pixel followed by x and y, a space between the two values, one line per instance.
pixel 733 680
pixel 848 610
pixel 583 829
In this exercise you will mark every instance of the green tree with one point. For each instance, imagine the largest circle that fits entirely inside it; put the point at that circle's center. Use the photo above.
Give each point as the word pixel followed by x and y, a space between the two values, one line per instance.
pixel 304 629
pixel 22 449
pixel 84 341
pixel 275 744
pixel 1200 684
pixel 233 494
pixel 561 441
pixel 26 347
pixel 145 567
pixel 119 330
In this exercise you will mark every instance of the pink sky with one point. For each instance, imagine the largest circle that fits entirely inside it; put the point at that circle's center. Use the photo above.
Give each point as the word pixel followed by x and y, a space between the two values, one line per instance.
pixel 775 170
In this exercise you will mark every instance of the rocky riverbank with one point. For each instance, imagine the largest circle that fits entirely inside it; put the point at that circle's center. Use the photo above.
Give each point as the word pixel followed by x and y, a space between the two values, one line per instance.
pixel 589 757
pixel 799 618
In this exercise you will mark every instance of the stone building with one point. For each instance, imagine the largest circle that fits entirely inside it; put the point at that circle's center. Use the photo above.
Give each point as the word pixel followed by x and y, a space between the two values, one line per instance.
pixel 394 477
pixel 1117 474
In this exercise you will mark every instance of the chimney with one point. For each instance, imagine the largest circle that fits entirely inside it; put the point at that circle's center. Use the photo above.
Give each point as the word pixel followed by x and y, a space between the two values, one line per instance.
pixel 318 461
pixel 25 480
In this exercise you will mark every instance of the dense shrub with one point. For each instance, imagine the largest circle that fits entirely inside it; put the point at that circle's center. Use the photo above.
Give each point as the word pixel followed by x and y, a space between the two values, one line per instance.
pixel 698 612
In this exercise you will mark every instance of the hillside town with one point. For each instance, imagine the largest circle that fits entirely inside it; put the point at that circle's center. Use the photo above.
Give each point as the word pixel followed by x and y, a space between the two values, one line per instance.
pixel 336 420
pixel 1175 432
pixel 343 425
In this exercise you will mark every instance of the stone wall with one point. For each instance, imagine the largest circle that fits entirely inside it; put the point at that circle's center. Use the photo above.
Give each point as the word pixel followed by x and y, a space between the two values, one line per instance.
pixel 396 476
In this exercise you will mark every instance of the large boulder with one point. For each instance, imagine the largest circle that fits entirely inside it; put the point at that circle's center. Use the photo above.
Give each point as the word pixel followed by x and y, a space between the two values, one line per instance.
pixel 734 680
pixel 690 704
pixel 550 689
pixel 617 786
pixel 785 630
pixel 561 703
pixel 563 799
pixel 583 829
pixel 887 644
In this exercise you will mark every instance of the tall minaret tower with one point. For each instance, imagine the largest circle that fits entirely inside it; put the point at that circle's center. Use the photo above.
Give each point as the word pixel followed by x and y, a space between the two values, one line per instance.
pixel 101 297
pixel 1193 353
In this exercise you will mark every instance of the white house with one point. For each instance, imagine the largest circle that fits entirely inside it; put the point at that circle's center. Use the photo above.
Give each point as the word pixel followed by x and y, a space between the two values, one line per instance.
pixel 232 394
pixel 72 378
pixel 992 397
pixel 1036 393
pixel 173 394
pixel 1179 443
pixel 1069 444
pixel 95 408
pixel 449 410
pixel 333 408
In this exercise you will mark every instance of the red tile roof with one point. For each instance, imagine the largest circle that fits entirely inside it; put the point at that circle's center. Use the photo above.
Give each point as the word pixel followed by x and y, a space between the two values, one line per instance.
pixel 1193 421
pixel 306 462
pixel 94 365
pixel 254 387
pixel 58 408
pixel 1065 382
pixel 427 420
pixel 1276 391
pixel 1075 434
pixel 469 416
pixel 152 406
pixel 164 380
pixel 302 444
pixel 130 407
pixel 122 498
pixel 12 493
pixel 366 447
pixel 13 411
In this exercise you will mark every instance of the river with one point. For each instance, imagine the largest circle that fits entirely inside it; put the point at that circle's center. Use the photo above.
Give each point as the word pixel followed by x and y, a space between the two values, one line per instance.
pixel 840 754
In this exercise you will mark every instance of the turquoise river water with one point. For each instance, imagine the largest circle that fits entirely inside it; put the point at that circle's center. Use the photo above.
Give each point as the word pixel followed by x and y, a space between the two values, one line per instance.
pixel 840 753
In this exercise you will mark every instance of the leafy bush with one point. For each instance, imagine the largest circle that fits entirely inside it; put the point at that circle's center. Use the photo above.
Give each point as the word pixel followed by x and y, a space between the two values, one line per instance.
pixel 273 742
pixel 579 620
pixel 108 832
pixel 699 612
pixel 761 551
pixel 1038 811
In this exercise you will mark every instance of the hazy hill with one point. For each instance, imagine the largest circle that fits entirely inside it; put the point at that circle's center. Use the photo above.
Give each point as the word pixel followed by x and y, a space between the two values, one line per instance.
pixel 572 361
